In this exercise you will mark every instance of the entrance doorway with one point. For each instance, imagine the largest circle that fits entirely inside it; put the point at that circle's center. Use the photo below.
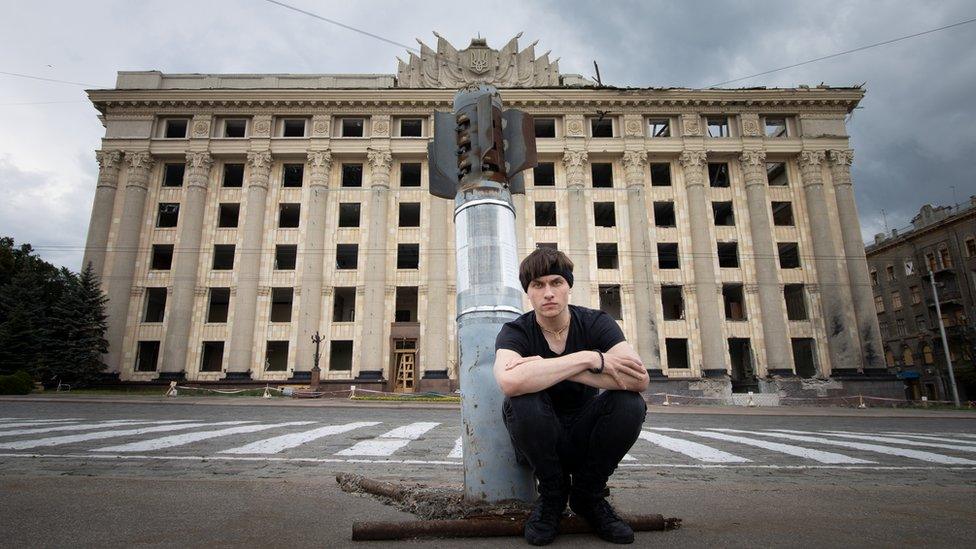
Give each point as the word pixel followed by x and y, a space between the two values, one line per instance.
pixel 404 365
pixel 743 373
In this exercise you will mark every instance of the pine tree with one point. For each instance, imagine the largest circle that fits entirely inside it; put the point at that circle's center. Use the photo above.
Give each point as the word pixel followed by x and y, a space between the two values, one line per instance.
pixel 76 334
pixel 22 301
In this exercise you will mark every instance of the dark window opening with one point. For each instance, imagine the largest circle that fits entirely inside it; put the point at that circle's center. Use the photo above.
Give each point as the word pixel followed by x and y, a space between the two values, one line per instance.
pixel 147 355
pixel 286 255
pixel 544 175
pixel 344 304
pixel 213 356
pixel 347 256
pixel 723 213
pixel 789 255
pixel 550 245
pixel 340 355
pixel 659 127
pixel 803 357
pixel 728 255
pixel 176 128
pixel 173 175
pixel 405 309
pixel 672 302
pixel 353 127
pixel 281 301
pixel 236 127
pixel 545 127
pixel 783 214
pixel 228 215
pixel 292 175
pixel 410 175
pixel 796 305
pixel 293 127
pixel 776 174
pixel 352 175
pixel 606 256
pixel 718 174
pixel 349 214
pixel 735 302
pixel 409 214
pixel 289 215
pixel 411 127
pixel 223 259
pixel 155 305
pixel 660 175
pixel 604 214
pixel 219 305
pixel 233 175
pixel 664 214
pixel 167 215
pixel 610 300
pixel 276 356
pixel 667 256
pixel 162 257
pixel 601 127
pixel 545 214
pixel 677 350
pixel 602 173
pixel 408 256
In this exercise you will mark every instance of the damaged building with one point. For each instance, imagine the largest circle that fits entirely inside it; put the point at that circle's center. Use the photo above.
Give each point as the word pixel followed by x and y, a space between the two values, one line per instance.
pixel 236 215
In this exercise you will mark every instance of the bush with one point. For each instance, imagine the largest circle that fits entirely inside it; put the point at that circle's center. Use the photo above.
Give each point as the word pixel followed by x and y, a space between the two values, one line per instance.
pixel 19 383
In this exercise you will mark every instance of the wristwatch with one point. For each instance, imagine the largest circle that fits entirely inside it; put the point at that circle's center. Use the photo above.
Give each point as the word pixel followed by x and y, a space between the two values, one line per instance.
pixel 602 364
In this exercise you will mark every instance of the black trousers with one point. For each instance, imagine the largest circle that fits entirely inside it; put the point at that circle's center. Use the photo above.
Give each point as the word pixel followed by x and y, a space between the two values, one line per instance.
pixel 588 445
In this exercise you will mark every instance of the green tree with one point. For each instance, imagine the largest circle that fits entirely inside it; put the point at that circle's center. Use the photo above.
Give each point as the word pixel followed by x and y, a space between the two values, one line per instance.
pixel 76 335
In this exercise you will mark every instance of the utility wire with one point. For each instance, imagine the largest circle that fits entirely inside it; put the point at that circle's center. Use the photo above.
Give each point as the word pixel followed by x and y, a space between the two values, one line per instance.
pixel 18 75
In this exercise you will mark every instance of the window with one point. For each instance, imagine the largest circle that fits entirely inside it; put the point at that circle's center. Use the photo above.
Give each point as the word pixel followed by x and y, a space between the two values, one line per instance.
pixel 895 301
pixel 344 304
pixel 410 174
pixel 549 245
pixel 606 256
pixel 883 327
pixel 776 174
pixel 879 306
pixel 796 303
pixel 667 256
pixel 212 357
pixel 219 305
pixel 234 128
pixel 223 259
pixel 411 127
pixel 735 302
pixel 292 175
pixel 874 277
pixel 718 174
pixel 147 355
pixel 544 175
pixel 408 256
pixel 228 214
pixel 890 358
pixel 347 256
pixel 907 358
pixel 723 214
pixel 783 214
pixel 352 175
pixel 167 215
pixel 944 258
pixel 971 247
pixel 601 127
pixel 276 356
pixel 175 128
pixel 155 305
pixel 162 257
pixel 604 214
pixel 602 173
pixel 900 327
pixel 293 127
pixel 927 356
pixel 920 323
pixel 664 214
pixel 803 357
pixel 352 127
pixel 610 300
pixel 930 261
pixel 281 300
pixel 286 255
pixel 349 214
pixel 545 214
pixel 677 351
pixel 340 355
pixel 405 304
pixel 775 126
pixel 545 127
pixel 718 126
pixel 916 294
pixel 660 174
pixel 789 255
pixel 728 255
pixel 233 175
pixel 173 174
pixel 672 303
pixel 409 214
pixel 289 215
pixel 659 127
pixel 890 271
pixel 909 267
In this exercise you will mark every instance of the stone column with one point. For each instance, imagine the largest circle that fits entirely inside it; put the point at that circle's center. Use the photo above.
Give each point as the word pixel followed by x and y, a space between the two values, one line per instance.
pixel 648 347
pixel 109 163
pixel 248 265
pixel 836 299
pixel 579 241
pixel 438 324
pixel 126 250
pixel 313 258
pixel 703 252
pixel 771 301
pixel 374 296
pixel 872 348
pixel 186 262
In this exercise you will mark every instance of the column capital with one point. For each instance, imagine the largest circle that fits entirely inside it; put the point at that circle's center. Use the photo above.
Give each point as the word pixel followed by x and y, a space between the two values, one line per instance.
pixel 812 157
pixel 141 160
pixel 634 164
pixel 841 157
pixel 259 160
pixel 573 161
pixel 379 159
pixel 755 158
pixel 693 159
pixel 320 159
pixel 199 160
pixel 109 160
pixel 321 164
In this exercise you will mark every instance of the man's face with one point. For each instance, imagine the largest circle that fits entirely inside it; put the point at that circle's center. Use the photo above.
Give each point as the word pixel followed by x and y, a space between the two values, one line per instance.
pixel 549 295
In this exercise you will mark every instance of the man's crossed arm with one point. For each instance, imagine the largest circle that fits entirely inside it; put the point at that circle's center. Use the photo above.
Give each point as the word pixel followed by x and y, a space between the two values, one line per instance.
pixel 518 375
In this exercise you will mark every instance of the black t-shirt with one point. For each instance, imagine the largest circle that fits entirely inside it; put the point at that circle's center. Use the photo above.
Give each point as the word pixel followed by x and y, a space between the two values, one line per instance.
pixel 589 330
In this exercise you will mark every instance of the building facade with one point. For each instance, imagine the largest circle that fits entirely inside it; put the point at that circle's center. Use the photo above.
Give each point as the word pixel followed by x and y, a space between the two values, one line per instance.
pixel 941 241
pixel 237 215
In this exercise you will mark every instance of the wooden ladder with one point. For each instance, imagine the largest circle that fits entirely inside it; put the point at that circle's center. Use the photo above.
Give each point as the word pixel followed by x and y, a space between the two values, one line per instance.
pixel 405 372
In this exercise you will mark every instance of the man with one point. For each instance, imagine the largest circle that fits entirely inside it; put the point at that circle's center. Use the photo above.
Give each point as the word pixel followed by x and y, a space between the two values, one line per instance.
pixel 551 363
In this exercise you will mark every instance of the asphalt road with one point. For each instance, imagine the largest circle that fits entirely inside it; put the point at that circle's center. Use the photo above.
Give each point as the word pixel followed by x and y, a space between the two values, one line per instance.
pixel 248 474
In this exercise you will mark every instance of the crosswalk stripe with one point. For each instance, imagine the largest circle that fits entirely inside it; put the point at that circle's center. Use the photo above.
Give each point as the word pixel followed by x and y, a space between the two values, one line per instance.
pixel 691 449
pixel 896 440
pixel 87 426
pixel 389 442
pixel 902 452
pixel 628 457
pixel 281 443
pixel 915 435
pixel 98 435
pixel 188 438
pixel 457 451
pixel 798 451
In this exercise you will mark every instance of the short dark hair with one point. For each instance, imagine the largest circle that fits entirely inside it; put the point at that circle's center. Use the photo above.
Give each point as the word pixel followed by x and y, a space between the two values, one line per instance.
pixel 544 262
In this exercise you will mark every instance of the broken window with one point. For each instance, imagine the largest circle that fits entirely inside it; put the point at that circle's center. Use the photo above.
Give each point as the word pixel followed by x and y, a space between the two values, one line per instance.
pixel 783 214
pixel 410 174
pixel 796 303
pixel 900 327
pixel 344 304
pixel 672 302
pixel 718 126
pixel 776 174
pixel 175 128
pixel 874 277
pixel 219 305
pixel 907 357
pixel 293 127
pixel 549 245
pixel 235 127
pixel 775 126
pixel 409 214
pixel 667 256
pixel 405 309
pixel 610 300
pixel 408 256
pixel 945 258
pixel 895 301
pixel 545 214
pixel 544 175
pixel 927 355
pixel 664 214
pixel 168 214
pixel 604 214
pixel 677 351
pixel 352 127
pixel 347 256
pixel 971 247
pixel 276 356
pixel 147 355
pixel 286 255
pixel 606 256
pixel 223 258
pixel 930 261
pixel 545 127
pixel 735 302
pixel 352 175
pixel 601 127
pixel 909 267
pixel 803 357
pixel 718 174
pixel 661 174
pixel 349 214
pixel 723 214
pixel 659 127
pixel 292 175
pixel 916 294
pixel 173 174
pixel 728 255
pixel 228 214
pixel 233 175
pixel 340 355
pixel 281 300
pixel 212 357
pixel 789 255
pixel 411 127
pixel 155 305
pixel 602 173
pixel 879 306
pixel 890 271
pixel 162 257
pixel 289 215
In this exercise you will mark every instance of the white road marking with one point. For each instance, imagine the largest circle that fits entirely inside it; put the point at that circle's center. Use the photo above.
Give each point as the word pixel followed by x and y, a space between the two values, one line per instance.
pixel 692 449
pixel 281 443
pixel 86 426
pixel 798 451
pixel 457 451
pixel 189 438
pixel 915 435
pixel 894 440
pixel 389 442
pixel 98 435
pixel 902 452
pixel 628 457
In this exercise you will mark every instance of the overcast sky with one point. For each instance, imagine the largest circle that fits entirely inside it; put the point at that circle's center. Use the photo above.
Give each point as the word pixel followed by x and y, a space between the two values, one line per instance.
pixel 913 136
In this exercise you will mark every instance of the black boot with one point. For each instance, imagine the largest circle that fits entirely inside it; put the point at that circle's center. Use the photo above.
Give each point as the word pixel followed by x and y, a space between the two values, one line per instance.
pixel 542 526
pixel 599 514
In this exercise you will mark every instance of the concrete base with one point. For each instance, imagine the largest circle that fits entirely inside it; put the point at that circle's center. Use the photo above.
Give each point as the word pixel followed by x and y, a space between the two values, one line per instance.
pixel 777 390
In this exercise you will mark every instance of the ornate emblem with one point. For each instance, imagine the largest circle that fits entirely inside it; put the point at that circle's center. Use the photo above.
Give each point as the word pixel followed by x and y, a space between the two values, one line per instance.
pixel 574 128
pixel 478 58
pixel 321 127
pixel 201 128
